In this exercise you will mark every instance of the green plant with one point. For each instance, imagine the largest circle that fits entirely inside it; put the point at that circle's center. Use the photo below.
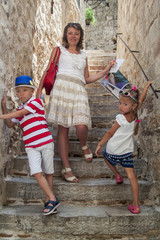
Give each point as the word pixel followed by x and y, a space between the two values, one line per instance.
pixel 89 14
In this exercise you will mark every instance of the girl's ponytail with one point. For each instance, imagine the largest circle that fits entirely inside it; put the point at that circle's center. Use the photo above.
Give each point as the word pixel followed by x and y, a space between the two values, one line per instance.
pixel 135 93
pixel 137 123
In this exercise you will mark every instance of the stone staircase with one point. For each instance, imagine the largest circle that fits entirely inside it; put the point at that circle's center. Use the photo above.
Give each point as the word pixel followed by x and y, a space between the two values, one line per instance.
pixel 95 208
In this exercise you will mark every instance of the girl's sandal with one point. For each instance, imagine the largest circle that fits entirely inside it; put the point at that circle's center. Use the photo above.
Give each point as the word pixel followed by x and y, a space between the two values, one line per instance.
pixel 134 209
pixel 87 157
pixel 69 179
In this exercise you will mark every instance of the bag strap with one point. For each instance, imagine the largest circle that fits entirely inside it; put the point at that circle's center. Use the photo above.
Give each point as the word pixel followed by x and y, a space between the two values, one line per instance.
pixel 57 55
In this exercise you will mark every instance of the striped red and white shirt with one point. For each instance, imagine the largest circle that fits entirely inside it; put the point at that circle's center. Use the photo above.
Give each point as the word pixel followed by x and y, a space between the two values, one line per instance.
pixel 34 124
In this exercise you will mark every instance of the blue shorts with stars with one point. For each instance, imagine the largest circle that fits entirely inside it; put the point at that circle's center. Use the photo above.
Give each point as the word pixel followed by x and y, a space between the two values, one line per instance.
pixel 126 160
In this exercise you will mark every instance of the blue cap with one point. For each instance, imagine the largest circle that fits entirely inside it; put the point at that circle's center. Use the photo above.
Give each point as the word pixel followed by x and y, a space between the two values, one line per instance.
pixel 25 81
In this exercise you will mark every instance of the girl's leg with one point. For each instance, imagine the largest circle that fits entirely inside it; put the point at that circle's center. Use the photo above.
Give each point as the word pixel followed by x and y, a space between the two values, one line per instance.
pixel 119 178
pixel 134 185
pixel 82 134
pixel 63 149
pixel 113 168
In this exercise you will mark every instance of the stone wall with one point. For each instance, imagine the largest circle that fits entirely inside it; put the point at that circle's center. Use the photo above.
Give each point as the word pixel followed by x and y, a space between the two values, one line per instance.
pixel 139 21
pixel 29 30
pixel 16 54
pixel 101 35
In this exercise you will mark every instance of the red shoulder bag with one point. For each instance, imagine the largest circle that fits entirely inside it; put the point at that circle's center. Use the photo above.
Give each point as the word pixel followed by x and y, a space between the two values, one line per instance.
pixel 50 77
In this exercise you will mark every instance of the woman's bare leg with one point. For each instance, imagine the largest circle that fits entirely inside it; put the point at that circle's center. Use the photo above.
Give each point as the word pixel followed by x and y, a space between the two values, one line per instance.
pixel 82 134
pixel 63 148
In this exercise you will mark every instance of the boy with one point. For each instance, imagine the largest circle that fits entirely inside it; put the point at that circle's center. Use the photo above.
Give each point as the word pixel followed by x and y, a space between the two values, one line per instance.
pixel 36 136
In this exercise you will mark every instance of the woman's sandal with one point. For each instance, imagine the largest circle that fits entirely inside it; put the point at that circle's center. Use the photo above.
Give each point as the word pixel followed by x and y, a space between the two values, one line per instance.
pixel 69 179
pixel 87 157
pixel 119 179
pixel 52 207
pixel 134 209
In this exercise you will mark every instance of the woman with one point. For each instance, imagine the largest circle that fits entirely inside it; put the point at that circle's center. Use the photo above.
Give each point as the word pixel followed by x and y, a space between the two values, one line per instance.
pixel 68 104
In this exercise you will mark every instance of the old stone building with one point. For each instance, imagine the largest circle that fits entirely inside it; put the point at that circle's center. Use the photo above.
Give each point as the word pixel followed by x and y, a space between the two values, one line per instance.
pixel 29 29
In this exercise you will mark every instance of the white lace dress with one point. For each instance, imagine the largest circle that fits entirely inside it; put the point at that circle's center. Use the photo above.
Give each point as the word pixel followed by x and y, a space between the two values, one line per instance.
pixel 68 105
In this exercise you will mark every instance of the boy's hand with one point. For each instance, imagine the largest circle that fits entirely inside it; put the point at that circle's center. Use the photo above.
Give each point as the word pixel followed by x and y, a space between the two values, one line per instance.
pixel 97 150
pixel 3 102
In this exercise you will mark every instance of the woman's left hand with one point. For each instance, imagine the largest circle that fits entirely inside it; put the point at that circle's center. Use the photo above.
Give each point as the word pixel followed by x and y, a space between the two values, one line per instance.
pixel 108 67
pixel 112 63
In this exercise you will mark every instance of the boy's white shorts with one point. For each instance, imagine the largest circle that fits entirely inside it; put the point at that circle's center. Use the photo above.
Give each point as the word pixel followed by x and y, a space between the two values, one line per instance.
pixel 41 159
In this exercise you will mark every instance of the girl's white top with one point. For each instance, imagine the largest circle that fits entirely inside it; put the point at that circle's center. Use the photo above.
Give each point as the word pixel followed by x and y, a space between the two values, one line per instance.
pixel 122 141
pixel 72 64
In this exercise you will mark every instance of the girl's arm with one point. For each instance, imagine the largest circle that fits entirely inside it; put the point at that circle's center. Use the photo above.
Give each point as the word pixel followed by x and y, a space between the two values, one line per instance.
pixel 40 87
pixel 144 93
pixel 107 136
pixel 95 77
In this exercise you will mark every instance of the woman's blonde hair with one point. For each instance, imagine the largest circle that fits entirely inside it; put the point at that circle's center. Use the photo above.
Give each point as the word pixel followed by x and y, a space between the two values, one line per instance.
pixel 64 38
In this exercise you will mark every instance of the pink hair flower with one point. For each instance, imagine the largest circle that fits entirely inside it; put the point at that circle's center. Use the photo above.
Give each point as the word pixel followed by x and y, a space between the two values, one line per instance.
pixel 138 120
pixel 134 88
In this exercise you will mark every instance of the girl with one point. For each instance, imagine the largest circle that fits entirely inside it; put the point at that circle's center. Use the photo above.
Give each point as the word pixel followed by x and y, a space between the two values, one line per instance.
pixel 120 144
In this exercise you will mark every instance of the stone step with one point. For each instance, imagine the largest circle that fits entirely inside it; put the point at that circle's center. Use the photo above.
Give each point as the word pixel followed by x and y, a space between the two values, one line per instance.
pixel 92 72
pixel 80 223
pixel 96 169
pixel 97 89
pixel 87 191
pixel 105 122
pixel 98 130
pixel 104 99
pixel 94 135
pixel 100 61
pixel 96 67
pixel 74 145
pixel 103 109
pixel 100 53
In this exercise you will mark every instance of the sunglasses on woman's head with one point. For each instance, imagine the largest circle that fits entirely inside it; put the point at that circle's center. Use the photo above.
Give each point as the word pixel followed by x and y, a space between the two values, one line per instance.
pixel 73 24
pixel 127 94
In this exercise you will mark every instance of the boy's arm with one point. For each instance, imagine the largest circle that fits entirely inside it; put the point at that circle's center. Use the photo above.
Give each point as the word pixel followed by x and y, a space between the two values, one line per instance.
pixel 15 114
pixel 144 93
pixel 9 123
pixel 7 116
pixel 107 136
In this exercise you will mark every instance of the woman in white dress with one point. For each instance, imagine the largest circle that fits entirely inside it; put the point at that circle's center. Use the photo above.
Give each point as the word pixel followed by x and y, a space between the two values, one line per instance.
pixel 68 104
